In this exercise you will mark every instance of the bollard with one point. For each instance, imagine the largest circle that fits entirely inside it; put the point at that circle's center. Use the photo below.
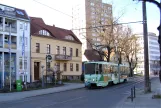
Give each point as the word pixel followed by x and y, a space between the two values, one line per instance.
pixel 134 91
pixel 150 85
pixel 132 94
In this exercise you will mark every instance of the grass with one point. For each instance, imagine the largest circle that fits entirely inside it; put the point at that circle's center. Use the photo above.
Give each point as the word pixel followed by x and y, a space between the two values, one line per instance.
pixel 73 81
pixel 157 96
pixel 29 89
pixel 138 75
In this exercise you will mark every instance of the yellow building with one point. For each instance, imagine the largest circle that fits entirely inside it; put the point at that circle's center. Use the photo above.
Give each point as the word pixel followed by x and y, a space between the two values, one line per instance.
pixel 61 44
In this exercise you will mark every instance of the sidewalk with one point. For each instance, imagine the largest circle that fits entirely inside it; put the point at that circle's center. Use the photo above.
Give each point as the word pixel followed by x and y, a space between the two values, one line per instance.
pixel 143 100
pixel 19 95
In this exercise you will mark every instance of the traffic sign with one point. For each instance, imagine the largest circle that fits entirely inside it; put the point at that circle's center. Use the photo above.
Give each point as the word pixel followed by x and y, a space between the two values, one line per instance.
pixel 49 58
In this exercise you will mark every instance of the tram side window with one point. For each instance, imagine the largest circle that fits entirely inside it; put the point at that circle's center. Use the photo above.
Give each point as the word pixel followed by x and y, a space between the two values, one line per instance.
pixel 115 69
pixel 100 68
pixel 110 69
pixel 122 69
pixel 105 69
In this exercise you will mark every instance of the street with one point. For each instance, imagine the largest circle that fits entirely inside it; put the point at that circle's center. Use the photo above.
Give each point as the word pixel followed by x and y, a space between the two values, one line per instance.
pixel 107 97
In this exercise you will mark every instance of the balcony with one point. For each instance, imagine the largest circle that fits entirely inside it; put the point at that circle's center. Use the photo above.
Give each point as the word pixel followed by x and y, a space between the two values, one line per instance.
pixel 13 30
pixel 1 27
pixel 13 45
pixel 10 13
pixel 1 44
pixel 62 57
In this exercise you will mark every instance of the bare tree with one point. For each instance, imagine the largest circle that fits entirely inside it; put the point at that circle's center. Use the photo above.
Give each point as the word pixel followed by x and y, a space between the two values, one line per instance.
pixel 130 48
pixel 103 31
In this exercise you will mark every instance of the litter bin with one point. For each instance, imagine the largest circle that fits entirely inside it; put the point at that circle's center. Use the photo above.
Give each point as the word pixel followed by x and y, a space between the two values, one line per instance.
pixel 18 85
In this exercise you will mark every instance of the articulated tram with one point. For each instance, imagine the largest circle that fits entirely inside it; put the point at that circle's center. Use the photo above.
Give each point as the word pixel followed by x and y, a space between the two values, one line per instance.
pixel 101 74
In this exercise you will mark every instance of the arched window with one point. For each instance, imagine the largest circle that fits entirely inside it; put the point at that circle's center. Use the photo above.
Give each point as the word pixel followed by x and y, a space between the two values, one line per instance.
pixel 44 32
pixel 69 38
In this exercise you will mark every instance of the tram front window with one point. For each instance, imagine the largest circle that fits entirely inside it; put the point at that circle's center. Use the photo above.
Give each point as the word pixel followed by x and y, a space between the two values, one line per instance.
pixel 90 68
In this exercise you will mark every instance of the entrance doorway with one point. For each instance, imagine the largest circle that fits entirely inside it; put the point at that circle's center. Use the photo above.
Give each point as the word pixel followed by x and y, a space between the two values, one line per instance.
pixel 36 70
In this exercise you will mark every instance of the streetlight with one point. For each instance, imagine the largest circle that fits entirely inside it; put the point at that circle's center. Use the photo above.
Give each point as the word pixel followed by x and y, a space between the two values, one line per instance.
pixel 42 75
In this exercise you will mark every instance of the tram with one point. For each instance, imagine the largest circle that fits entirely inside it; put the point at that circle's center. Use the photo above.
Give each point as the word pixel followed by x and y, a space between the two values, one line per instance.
pixel 101 74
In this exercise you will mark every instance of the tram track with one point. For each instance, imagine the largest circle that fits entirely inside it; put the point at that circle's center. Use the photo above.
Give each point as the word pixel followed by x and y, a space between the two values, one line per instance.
pixel 80 95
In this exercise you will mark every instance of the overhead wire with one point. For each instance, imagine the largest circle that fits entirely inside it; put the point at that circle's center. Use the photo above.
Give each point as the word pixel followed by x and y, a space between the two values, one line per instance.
pixel 52 8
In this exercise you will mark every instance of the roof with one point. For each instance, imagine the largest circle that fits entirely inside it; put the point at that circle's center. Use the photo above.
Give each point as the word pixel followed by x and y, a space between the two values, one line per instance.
pixel 92 55
pixel 38 24
pixel 13 12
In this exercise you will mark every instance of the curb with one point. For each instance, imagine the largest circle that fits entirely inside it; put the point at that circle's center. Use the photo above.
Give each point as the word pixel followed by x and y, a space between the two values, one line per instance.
pixel 8 97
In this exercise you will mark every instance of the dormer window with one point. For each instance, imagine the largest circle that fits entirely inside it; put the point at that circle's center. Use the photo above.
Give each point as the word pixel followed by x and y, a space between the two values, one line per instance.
pixel 69 38
pixel 44 32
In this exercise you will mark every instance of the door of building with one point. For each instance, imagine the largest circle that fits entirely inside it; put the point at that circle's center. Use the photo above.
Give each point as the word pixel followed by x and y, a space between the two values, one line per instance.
pixel 36 70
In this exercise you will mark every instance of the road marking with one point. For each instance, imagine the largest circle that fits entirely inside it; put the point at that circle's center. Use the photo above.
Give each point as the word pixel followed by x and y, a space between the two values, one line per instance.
pixel 61 102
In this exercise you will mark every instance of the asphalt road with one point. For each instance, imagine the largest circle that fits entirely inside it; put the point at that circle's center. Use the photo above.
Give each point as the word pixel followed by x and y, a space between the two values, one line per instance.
pixel 107 97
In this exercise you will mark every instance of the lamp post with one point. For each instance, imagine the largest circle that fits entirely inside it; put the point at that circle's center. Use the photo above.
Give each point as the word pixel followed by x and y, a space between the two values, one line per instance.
pixel 42 75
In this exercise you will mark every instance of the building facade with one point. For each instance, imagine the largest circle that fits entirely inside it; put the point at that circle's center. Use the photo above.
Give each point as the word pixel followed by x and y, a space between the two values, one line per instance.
pixel 154 54
pixel 14 25
pixel 88 15
pixel 64 47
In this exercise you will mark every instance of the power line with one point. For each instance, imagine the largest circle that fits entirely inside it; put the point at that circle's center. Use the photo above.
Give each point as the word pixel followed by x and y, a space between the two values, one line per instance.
pixel 53 8
pixel 110 25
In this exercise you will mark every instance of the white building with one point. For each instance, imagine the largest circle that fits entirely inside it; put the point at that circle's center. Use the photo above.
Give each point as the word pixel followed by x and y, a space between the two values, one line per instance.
pixel 20 26
pixel 154 53
pixel 89 14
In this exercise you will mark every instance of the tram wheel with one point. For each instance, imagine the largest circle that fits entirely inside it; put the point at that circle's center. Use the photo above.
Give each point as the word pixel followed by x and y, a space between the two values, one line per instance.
pixel 125 80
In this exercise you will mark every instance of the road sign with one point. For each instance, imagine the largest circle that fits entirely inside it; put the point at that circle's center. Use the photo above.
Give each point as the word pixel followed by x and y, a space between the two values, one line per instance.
pixel 49 58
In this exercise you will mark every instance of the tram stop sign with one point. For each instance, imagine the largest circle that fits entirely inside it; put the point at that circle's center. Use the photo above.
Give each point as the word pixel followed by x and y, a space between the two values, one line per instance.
pixel 49 58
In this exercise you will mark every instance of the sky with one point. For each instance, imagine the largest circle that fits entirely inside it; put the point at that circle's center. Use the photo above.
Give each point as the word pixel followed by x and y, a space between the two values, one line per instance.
pixel 130 10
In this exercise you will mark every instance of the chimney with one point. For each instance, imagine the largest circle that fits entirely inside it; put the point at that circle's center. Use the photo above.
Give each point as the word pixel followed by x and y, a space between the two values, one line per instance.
pixel 53 25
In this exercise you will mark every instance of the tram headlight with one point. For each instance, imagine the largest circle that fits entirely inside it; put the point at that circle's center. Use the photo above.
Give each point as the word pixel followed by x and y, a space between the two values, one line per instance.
pixel 93 79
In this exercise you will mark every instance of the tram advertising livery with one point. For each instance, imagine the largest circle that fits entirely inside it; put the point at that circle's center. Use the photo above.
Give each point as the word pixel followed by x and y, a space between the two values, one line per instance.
pixel 101 74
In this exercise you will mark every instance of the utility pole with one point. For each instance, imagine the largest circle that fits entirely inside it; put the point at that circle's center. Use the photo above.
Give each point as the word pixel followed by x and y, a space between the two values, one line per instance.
pixel 159 40
pixel 146 52
pixel 159 28
pixel 10 55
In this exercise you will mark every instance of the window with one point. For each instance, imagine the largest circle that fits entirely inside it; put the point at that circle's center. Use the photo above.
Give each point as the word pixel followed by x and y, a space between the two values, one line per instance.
pixel 25 41
pixel 57 49
pixel 57 66
pixel 65 66
pixel 37 47
pixel 19 12
pixel 48 49
pixel 92 4
pixel 21 64
pixel 64 50
pixel 76 52
pixel 69 37
pixel 25 26
pixel 77 67
pixel 6 38
pixel 71 66
pixel 21 26
pixel 21 40
pixel 71 51
pixel 44 32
